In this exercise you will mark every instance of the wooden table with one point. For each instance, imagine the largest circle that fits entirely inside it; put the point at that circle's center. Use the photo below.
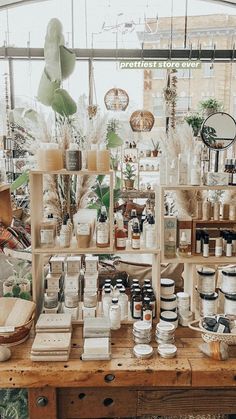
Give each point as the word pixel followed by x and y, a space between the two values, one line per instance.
pixel 124 386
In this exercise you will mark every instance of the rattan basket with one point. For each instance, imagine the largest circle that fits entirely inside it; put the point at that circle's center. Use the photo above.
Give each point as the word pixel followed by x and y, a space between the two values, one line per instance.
pixel 208 336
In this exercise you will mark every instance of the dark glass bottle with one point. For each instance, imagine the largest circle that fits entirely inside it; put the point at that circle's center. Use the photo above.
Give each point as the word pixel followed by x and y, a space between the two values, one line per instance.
pixel 147 310
pixel 137 304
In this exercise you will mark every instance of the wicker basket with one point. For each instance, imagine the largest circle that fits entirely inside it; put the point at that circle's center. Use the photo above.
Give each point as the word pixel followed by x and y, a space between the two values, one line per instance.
pixel 208 336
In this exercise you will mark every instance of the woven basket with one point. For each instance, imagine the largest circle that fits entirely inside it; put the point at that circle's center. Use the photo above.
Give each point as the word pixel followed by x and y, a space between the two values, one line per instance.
pixel 208 336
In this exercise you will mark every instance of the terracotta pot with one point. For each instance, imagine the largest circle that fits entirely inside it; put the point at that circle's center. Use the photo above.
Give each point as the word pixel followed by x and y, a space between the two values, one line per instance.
pixel 155 153
pixel 129 184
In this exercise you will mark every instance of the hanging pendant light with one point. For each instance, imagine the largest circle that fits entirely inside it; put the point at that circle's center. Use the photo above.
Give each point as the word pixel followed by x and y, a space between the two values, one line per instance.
pixel 116 100
pixel 141 121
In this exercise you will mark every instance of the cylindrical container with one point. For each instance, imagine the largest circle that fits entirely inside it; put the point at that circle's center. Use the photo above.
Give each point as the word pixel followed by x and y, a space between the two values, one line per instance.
pixel 183 302
pixel 206 280
pixel 228 281
pixel 49 157
pixel 199 210
pixel 168 303
pixel 51 300
pixel 103 159
pixel 170 317
pixel 115 314
pixel 230 304
pixel 165 332
pixel 73 160
pixel 219 247
pixel 208 304
pixel 167 286
pixel 92 158
pixel 8 285
pixel 90 299
pixel 71 299
pixel 71 310
pixel 206 211
pixel 232 212
pixel 225 211
pixel 216 211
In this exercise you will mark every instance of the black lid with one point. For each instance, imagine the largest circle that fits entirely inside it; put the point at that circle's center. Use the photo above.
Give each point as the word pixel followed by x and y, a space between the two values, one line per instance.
pixel 151 220
pixel 229 273
pixel 206 273
pixel 231 297
pixel 168 299
pixel 102 218
pixel 114 300
pixel 198 234
pixel 209 296
pixel 206 239
pixel 229 239
pixel 233 235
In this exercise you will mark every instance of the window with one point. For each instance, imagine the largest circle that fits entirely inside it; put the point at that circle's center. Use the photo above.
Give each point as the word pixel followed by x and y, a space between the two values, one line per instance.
pixel 208 70
pixel 158 106
pixel 159 73
pixel 183 104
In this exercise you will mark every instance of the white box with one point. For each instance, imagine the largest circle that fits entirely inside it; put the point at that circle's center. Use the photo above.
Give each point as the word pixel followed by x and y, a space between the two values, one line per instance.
pixel 91 265
pixel 71 282
pixel 88 312
pixel 216 179
pixel 57 264
pixel 90 281
pixel 73 264
pixel 53 282
pixel 96 346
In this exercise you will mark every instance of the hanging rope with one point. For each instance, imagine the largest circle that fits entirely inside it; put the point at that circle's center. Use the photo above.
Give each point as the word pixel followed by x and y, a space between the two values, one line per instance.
pixel 186 24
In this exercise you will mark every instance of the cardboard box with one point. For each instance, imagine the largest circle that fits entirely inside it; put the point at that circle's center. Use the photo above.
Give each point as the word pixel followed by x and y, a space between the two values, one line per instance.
pixel 73 264
pixel 91 265
pixel 57 264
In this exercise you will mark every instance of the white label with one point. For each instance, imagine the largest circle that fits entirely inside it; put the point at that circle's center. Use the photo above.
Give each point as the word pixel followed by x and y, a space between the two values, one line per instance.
pixel 102 236
pixel 136 243
pixel 234 178
pixel 106 302
pixel 121 242
pixel 147 316
pixel 198 246
pixel 218 251
pixel 83 229
pixel 205 250
pixel 115 316
pixel 123 303
pixel 150 238
pixel 47 237
pixel 64 240
pixel 137 309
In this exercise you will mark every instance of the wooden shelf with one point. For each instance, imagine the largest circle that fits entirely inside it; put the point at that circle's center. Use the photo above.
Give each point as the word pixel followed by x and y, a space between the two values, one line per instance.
pixel 214 221
pixel 149 171
pixel 70 172
pixel 92 250
pixel 200 260
pixel 200 188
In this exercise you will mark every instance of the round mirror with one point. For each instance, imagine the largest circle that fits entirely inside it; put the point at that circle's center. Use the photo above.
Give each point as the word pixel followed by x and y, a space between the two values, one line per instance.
pixel 218 131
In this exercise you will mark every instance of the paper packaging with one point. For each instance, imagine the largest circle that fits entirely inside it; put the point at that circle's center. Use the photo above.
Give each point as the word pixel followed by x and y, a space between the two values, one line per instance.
pixel 57 264
pixel 71 282
pixel 97 346
pixel 170 228
pixel 89 312
pixel 90 281
pixel 96 327
pixel 216 178
pixel 91 265
pixel 53 282
pixel 53 321
pixel 73 264
pixel 185 226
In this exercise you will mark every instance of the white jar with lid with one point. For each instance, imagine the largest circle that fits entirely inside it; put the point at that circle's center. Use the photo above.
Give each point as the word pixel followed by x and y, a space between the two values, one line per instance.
pixel 228 281
pixel 168 302
pixel 90 299
pixel 183 302
pixel 206 280
pixel 167 286
pixel 71 299
pixel 170 317
pixel 49 157
pixel 208 304
pixel 230 304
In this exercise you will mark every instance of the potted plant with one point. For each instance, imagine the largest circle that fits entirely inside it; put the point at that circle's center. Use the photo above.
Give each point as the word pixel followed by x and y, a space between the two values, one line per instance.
pixel 210 106
pixel 156 148
pixel 129 176
pixel 195 121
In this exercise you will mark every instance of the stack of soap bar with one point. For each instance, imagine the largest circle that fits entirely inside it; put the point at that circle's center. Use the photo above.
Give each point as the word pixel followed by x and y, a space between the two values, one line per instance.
pixel 98 327
pixel 58 323
pixel 51 347
pixel 96 349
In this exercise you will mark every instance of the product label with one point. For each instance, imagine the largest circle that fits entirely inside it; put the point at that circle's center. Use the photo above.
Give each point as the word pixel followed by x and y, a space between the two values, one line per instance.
pixel 114 318
pixel 121 242
pixel 123 303
pixel 106 302
pixel 147 316
pixel 136 243
pixel 137 309
pixel 83 229
pixel 150 238
pixel 47 237
pixel 102 236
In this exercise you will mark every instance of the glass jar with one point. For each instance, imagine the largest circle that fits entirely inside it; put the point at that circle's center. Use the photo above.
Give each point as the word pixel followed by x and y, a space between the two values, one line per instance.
pixel 168 302
pixel 167 286
pixel 208 304
pixel 230 304
pixel 183 302
pixel 206 280
pixel 228 281
pixel 170 317
pixel 49 157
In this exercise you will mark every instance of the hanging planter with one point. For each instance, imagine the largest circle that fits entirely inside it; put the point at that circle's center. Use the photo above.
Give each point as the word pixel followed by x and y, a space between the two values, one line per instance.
pixel 141 121
pixel 92 111
pixel 116 100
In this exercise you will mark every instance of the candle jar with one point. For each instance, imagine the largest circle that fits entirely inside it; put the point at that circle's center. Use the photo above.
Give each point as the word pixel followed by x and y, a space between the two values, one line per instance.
pixel 49 157
pixel 103 159
pixel 228 281
pixel 208 304
pixel 206 280
pixel 230 304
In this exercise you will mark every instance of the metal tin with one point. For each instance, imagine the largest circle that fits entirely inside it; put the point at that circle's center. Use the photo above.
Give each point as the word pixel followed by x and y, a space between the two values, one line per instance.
pixel 143 351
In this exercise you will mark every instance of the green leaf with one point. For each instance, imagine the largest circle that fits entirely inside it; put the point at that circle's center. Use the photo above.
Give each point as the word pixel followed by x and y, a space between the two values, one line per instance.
pixel 47 89
pixel 67 58
pixel 100 179
pixel 114 140
pixel 21 180
pixel 63 103
pixel 118 183
pixel 106 199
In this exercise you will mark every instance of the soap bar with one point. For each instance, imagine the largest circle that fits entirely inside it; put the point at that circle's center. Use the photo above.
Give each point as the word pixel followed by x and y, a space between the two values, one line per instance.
pixel 21 312
pixel 96 346
pixel 96 327
pixel 73 264
pixel 54 321
pixel 51 342
pixel 51 358
pixel 57 264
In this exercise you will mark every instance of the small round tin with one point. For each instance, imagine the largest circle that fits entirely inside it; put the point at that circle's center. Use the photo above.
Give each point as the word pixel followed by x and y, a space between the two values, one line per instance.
pixel 167 350
pixel 143 351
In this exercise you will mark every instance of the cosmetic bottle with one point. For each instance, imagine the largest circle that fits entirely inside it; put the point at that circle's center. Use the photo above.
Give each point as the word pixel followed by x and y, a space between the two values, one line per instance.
pixel 136 304
pixel 219 247
pixel 48 232
pixel 199 210
pixel 65 234
pixel 228 251
pixel 170 247
pixel 216 211
pixel 150 293
pixel 120 234
pixel 123 303
pixel 206 210
pixel 133 220
pixel 73 158
pixel 49 157
pixel 135 240
pixel 106 302
pixel 183 245
pixel 102 231
pixel 205 253
pixel 150 233
pixel 195 177
pixel 92 158
pixel 182 170
pixel 106 287
pixel 145 224
pixel 116 290
pixel 198 242
pixel 115 314
pixel 234 173
pixel 147 310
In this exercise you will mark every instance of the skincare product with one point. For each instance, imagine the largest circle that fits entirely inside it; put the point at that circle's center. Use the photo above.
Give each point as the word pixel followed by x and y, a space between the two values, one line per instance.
pixel 73 264
pixel 183 245
pixel 135 240
pixel 103 159
pixel 206 280
pixel 73 158
pixel 199 210
pixel 65 234
pixel 228 251
pixel 102 231
pixel 147 310
pixel 133 220
pixel 182 170
pixel 120 234
pixel 167 286
pixel 106 302
pixel 49 157
pixel 198 242
pixel 170 228
pixel 208 304
pixel 216 211
pixel 92 158
pixel 170 317
pixel 150 233
pixel 136 305
pixel 228 281
pixel 206 211
pixel 168 302
pixel 123 302
pixel 205 252
pixel 219 247
pixel 115 314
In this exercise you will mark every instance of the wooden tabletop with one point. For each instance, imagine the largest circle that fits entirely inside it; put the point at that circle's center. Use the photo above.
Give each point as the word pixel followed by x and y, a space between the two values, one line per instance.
pixel 189 368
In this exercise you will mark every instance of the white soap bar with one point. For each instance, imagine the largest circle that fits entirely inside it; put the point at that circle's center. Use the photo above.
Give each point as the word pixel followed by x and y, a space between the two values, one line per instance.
pixel 90 280
pixel 57 264
pixel 97 324
pixel 96 346
pixel 89 312
pixel 91 264
pixel 71 280
pixel 73 264
pixel 55 321
pixel 52 342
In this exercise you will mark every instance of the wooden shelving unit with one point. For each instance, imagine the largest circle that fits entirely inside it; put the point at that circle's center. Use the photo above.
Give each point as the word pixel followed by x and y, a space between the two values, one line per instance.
pixel 39 254
pixel 191 261
pixel 5 204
